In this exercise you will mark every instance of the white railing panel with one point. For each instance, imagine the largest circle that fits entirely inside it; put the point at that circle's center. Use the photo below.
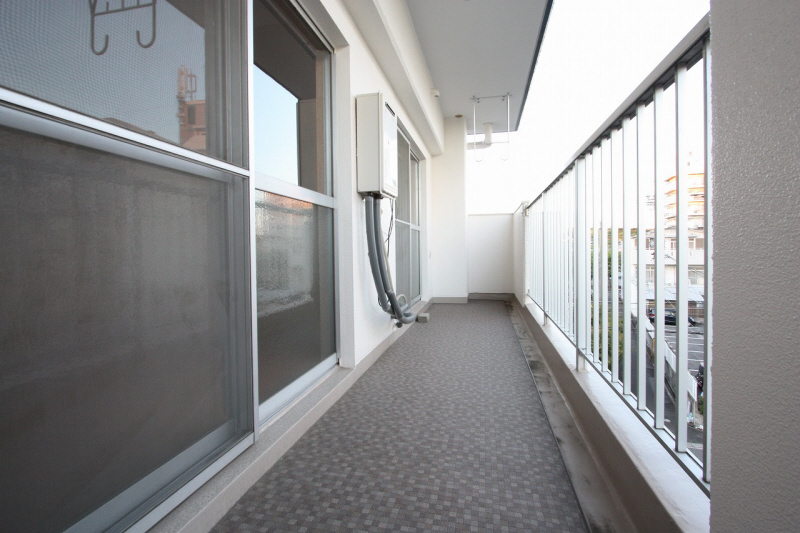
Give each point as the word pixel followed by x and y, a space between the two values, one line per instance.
pixel 616 237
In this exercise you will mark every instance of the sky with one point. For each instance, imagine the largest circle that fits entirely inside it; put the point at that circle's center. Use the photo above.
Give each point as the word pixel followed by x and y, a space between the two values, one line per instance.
pixel 275 128
pixel 594 54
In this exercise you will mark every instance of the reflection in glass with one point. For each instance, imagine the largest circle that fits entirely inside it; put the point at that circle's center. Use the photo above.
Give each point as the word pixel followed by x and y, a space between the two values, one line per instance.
pixel 294 262
pixel 122 354
pixel 403 260
pixel 403 202
pixel 171 70
pixel 415 285
pixel 414 191
pixel 292 99
pixel 275 129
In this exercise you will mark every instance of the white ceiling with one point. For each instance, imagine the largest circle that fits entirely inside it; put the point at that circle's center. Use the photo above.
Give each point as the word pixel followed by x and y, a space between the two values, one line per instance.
pixel 480 48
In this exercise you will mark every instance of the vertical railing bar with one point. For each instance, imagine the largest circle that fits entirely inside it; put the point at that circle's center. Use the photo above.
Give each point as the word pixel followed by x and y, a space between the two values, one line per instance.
pixel 550 221
pixel 540 288
pixel 682 267
pixel 558 242
pixel 550 272
pixel 565 269
pixel 544 255
pixel 626 258
pixel 552 267
pixel 658 341
pixel 533 286
pixel 565 254
pixel 580 263
pixel 534 223
pixel 641 282
pixel 561 253
pixel 708 292
pixel 558 212
pixel 572 200
pixel 562 256
pixel 604 178
pixel 614 292
pixel 597 197
pixel 587 250
pixel 525 256
pixel 562 244
pixel 533 212
pixel 535 251
pixel 528 251
pixel 569 300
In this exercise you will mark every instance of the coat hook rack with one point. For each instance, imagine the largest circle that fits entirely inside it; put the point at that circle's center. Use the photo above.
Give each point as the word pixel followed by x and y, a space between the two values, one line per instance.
pixel 95 12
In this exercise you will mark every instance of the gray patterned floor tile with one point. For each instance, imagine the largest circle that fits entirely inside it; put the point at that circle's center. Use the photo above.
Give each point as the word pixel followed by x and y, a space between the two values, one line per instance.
pixel 444 433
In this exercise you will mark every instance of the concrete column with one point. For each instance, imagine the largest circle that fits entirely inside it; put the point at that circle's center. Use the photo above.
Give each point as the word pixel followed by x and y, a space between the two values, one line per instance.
pixel 448 222
pixel 756 207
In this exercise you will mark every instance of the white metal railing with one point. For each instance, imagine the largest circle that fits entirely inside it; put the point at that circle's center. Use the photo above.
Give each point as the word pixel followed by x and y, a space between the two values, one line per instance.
pixel 594 233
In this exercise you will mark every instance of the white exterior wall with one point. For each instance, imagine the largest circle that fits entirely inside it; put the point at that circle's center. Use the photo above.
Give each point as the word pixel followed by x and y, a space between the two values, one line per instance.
pixel 448 231
pixel 756 209
pixel 362 323
pixel 491 253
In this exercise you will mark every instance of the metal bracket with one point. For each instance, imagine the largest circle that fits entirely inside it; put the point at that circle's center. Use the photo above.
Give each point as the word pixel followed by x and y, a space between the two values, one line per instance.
pixel 94 13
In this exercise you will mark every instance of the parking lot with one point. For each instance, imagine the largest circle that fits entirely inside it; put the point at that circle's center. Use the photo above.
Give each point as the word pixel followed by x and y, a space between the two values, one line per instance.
pixel 696 344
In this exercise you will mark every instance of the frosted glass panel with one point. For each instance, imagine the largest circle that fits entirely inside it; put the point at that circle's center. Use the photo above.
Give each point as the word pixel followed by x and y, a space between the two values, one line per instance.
pixel 415 286
pixel 413 188
pixel 172 70
pixel 121 330
pixel 403 208
pixel 403 259
pixel 294 261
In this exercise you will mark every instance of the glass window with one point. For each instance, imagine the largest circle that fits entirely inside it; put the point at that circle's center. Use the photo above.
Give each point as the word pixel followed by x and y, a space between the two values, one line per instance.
pixel 403 260
pixel 403 209
pixel 413 190
pixel 407 218
pixel 296 312
pixel 415 283
pixel 696 275
pixel 171 70
pixel 123 336
pixel 292 99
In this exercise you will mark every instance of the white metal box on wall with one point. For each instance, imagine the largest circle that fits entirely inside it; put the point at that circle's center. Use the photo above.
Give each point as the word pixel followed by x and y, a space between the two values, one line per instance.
pixel 376 145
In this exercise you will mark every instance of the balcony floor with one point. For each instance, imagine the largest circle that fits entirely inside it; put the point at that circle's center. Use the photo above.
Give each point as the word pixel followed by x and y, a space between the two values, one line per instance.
pixel 446 432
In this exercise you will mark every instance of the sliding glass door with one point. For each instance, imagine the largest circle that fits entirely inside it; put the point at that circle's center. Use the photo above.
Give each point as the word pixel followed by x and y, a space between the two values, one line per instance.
pixel 294 205
pixel 407 221
pixel 125 373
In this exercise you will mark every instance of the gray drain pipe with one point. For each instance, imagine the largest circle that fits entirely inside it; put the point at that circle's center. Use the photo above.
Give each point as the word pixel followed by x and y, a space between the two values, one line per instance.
pixel 378 265
pixel 373 255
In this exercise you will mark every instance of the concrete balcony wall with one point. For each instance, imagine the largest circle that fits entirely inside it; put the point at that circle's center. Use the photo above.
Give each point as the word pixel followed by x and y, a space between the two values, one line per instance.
pixel 491 253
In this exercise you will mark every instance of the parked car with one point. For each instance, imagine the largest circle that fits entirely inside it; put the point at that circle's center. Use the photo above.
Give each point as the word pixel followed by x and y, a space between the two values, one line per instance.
pixel 700 378
pixel 669 317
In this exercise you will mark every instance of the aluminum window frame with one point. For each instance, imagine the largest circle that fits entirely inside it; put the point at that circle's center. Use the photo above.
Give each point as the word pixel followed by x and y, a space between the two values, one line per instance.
pixel 54 122
pixel 411 226
pixel 265 411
